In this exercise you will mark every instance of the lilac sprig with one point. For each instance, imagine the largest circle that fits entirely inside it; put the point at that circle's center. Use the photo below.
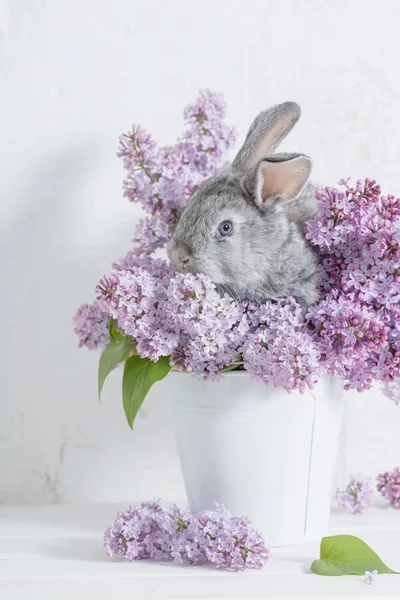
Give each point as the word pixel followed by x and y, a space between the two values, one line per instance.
pixel 350 337
pixel 163 179
pixel 388 484
pixel 91 325
pixel 153 531
pixel 357 496
pixel 279 350
pixel 181 316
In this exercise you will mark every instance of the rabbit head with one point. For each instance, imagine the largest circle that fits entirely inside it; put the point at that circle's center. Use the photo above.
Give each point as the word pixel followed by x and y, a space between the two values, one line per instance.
pixel 243 227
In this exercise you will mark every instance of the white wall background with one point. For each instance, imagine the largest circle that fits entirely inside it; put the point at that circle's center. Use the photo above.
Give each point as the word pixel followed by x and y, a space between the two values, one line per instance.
pixel 76 74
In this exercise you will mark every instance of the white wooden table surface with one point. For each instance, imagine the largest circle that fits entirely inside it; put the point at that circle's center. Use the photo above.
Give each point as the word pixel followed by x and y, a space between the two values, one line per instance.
pixel 55 552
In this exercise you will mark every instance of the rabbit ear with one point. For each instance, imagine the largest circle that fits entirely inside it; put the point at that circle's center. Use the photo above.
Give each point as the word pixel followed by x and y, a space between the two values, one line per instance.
pixel 266 133
pixel 278 178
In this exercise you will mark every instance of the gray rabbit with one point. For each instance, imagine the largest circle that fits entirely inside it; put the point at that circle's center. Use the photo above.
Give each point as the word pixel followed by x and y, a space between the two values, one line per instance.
pixel 243 227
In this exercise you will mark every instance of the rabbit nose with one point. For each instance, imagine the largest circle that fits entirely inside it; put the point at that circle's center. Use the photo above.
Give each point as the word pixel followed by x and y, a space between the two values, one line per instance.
pixel 182 254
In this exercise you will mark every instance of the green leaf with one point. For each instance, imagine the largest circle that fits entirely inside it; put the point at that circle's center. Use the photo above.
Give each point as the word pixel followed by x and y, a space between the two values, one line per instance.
pixel 117 351
pixel 139 375
pixel 230 367
pixel 113 331
pixel 110 326
pixel 347 555
pixel 234 365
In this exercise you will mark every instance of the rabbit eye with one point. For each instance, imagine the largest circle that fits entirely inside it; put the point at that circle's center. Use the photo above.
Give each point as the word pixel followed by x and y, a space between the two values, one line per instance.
pixel 225 228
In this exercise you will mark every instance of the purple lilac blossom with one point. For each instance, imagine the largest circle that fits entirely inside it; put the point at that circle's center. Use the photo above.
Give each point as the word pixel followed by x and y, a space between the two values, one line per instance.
pixel 91 325
pixel 182 316
pixel 388 484
pixel 357 233
pixel 279 350
pixel 370 577
pixel 151 233
pixel 357 497
pixel 152 531
pixel 348 335
pixel 163 179
pixel 391 389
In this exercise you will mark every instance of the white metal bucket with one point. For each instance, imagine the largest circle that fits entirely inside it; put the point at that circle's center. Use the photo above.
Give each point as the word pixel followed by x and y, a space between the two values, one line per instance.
pixel 260 451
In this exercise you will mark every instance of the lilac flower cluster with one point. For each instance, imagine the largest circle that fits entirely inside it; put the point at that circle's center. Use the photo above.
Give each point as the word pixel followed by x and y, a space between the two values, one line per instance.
pixel 391 389
pixel 176 315
pixel 356 324
pixel 91 325
pixel 279 350
pixel 357 496
pixel 388 484
pixel 353 332
pixel 163 179
pixel 152 531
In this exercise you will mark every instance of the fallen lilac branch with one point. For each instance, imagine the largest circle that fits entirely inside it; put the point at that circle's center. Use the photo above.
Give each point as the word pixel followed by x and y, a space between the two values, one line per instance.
pixel 152 531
